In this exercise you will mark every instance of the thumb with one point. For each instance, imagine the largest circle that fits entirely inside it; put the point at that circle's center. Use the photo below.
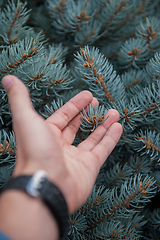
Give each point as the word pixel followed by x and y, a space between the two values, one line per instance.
pixel 19 98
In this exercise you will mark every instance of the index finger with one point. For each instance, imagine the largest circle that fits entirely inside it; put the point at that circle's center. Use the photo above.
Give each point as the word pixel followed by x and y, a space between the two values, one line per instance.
pixel 65 114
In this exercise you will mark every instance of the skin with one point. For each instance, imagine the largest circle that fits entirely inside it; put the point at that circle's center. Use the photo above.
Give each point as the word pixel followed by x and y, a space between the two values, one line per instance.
pixel 47 144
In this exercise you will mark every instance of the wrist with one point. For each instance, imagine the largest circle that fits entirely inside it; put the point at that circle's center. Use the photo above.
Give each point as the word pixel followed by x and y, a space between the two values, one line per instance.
pixel 61 179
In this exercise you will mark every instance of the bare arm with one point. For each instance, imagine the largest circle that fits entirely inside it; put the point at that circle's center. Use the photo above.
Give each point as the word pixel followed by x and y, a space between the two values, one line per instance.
pixel 47 144
pixel 27 218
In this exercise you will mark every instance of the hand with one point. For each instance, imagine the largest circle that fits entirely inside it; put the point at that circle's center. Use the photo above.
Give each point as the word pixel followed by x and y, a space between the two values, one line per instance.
pixel 47 144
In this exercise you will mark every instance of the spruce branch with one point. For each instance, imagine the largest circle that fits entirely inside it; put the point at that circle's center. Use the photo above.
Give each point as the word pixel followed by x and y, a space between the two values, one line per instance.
pixel 98 73
pixel 129 114
pixel 149 102
pixel 5 174
pixel 7 147
pixel 110 7
pixel 121 203
pixel 148 143
pixel 117 175
pixel 126 229
pixel 149 30
pixel 153 67
pixel 92 118
pixel 4 111
pixel 22 51
pixel 140 164
pixel 78 224
pixel 133 53
pixel 12 21
pixel 134 81
pixel 77 14
pixel 145 142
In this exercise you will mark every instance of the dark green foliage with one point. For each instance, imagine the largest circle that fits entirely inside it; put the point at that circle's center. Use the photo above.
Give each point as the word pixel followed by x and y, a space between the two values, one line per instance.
pixel 112 48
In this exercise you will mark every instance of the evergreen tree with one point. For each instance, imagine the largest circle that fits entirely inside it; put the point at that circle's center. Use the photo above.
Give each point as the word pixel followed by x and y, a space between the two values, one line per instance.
pixel 111 48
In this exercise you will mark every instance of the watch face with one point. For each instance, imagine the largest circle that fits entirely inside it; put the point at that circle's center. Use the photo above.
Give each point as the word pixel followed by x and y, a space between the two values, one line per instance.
pixel 35 183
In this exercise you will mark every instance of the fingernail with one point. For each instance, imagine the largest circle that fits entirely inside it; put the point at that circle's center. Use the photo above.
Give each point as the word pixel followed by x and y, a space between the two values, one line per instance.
pixel 7 82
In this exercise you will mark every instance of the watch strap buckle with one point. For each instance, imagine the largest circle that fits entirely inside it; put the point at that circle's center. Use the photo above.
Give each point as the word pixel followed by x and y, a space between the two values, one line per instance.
pixel 35 183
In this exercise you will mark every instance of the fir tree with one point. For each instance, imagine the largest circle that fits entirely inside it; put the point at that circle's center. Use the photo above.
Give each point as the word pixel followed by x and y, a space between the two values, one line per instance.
pixel 110 47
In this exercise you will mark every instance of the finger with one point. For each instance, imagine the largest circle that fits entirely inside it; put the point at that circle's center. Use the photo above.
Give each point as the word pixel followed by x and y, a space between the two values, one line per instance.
pixel 96 136
pixel 108 143
pixel 70 131
pixel 19 100
pixel 65 114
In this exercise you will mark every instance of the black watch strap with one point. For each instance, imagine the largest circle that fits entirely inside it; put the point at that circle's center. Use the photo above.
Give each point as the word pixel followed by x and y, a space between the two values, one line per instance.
pixel 50 195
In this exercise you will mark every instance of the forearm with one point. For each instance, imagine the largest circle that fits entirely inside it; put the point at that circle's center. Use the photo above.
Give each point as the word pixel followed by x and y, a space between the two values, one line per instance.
pixel 25 217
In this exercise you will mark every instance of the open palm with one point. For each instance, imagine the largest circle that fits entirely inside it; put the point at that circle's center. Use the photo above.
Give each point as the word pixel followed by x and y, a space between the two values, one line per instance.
pixel 47 144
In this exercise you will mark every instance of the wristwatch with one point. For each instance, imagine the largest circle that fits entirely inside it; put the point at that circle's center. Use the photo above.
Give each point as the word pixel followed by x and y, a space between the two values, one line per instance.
pixel 40 187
